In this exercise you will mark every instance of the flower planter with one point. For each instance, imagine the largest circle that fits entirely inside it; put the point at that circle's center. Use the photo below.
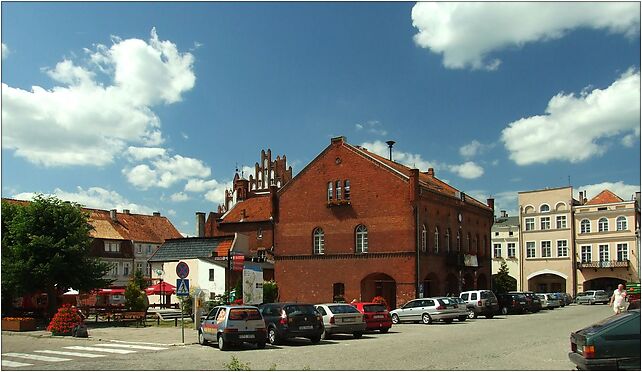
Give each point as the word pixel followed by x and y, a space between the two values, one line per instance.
pixel 18 325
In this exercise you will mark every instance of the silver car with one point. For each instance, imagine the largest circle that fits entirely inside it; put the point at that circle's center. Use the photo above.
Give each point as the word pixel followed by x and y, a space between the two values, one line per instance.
pixel 592 297
pixel 464 308
pixel 341 318
pixel 426 310
pixel 548 300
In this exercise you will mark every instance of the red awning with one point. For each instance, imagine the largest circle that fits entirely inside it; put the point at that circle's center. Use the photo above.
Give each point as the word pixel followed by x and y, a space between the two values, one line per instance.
pixel 110 291
pixel 161 288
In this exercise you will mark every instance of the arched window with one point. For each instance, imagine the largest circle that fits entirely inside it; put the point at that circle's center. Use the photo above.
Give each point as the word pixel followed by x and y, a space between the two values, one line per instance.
pixel 423 238
pixel 346 189
pixel 330 192
pixel 544 208
pixel 585 226
pixel 338 187
pixel 603 224
pixel 319 241
pixel 448 240
pixel 458 241
pixel 436 239
pixel 361 235
pixel 621 224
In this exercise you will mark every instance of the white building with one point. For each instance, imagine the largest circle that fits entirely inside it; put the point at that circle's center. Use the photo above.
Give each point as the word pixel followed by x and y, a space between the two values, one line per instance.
pixel 505 245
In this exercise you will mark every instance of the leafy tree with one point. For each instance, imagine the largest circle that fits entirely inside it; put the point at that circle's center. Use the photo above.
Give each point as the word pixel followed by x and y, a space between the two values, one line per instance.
pixel 140 280
pixel 502 281
pixel 270 291
pixel 45 247
pixel 135 298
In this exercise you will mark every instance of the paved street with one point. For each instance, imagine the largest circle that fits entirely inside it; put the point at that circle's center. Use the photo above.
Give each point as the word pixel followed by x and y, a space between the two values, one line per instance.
pixel 515 342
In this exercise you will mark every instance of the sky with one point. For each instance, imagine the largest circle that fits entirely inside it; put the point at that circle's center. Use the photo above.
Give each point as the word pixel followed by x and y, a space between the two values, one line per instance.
pixel 152 106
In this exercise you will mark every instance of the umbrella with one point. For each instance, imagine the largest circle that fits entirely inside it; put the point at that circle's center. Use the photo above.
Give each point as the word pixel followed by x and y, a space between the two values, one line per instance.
pixel 161 288
pixel 70 292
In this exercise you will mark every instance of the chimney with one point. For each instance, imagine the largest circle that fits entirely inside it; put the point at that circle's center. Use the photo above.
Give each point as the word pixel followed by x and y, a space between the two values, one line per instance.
pixel 340 139
pixel 390 144
pixel 156 214
pixel 581 197
pixel 112 214
pixel 491 203
pixel 200 224
pixel 126 211
pixel 431 172
pixel 503 214
pixel 585 197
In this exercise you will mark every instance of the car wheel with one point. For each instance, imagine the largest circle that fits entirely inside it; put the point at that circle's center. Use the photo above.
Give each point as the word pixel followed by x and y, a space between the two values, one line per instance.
pixel 395 318
pixel 463 318
pixel 448 321
pixel 222 345
pixel 315 339
pixel 384 330
pixel 504 310
pixel 426 319
pixel 357 334
pixel 260 345
pixel 273 337
pixel 551 308
pixel 472 314
pixel 201 339
pixel 490 316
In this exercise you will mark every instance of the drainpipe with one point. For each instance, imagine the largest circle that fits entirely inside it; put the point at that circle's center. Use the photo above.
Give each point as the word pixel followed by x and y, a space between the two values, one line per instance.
pixel 573 248
pixel 522 252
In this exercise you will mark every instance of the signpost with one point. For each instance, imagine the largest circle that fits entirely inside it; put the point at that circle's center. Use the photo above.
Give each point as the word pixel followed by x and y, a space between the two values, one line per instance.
pixel 182 289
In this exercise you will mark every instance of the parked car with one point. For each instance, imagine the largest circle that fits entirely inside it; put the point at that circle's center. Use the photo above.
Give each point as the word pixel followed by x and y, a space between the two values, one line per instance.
pixel 568 299
pixel 484 302
pixel 464 308
pixel 341 318
pixel 376 315
pixel 548 300
pixel 533 302
pixel 592 297
pixel 512 303
pixel 230 325
pixel 426 310
pixel 613 343
pixel 288 320
pixel 560 298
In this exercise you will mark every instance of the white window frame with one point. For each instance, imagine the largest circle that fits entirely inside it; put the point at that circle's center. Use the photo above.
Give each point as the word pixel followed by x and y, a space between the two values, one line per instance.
pixel 548 253
pixel 529 223
pixel 361 242
pixel 545 223
pixel 603 252
pixel 562 250
pixel 560 222
pixel 544 206
pixel 139 266
pixel 622 251
pixel 621 223
pixel 586 252
pixel 330 191
pixel 114 269
pixel 346 189
pixel 603 224
pixel 531 249
pixel 139 248
pixel 126 269
pixel 585 226
pixel 338 188
pixel 497 250
pixel 318 241
pixel 511 249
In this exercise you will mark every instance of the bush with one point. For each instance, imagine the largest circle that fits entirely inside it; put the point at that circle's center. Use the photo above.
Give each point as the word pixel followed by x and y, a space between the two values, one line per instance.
pixel 135 299
pixel 65 320
pixel 270 291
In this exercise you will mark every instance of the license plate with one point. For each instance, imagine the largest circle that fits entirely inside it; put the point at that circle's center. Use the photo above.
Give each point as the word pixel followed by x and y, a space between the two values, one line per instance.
pixel 246 336
pixel 348 320
pixel 378 316
pixel 305 327
pixel 522 303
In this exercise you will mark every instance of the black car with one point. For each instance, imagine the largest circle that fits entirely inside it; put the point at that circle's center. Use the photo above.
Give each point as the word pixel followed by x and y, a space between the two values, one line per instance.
pixel 613 343
pixel 533 302
pixel 512 303
pixel 288 320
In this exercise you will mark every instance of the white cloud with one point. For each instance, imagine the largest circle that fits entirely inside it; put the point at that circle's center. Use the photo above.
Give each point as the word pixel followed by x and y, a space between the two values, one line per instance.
pixel 468 170
pixel 171 212
pixel 372 126
pixel 573 125
pixel 5 51
pixel 94 197
pixel 408 159
pixel 504 201
pixel 474 148
pixel 84 121
pixel 619 188
pixel 142 153
pixel 166 171
pixel 196 185
pixel 467 33
pixel 217 194
pixel 184 135
pixel 179 197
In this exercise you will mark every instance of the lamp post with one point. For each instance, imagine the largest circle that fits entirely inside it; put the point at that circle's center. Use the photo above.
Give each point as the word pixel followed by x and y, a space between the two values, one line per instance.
pixel 160 274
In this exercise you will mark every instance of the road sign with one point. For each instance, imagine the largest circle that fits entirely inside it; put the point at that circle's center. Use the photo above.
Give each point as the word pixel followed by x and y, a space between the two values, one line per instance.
pixel 238 262
pixel 182 287
pixel 182 270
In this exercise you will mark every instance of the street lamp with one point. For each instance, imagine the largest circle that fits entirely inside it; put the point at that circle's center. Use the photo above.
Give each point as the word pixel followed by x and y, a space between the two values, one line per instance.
pixel 160 273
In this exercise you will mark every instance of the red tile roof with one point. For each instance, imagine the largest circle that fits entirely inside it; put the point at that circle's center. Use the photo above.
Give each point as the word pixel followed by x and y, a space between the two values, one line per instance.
pixel 223 247
pixel 257 208
pixel 605 197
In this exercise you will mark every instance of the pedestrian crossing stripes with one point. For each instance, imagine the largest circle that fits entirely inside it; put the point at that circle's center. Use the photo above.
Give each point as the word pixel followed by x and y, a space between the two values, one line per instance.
pixel 69 353
pixel 129 346
pixel 10 363
pixel 35 357
pixel 101 349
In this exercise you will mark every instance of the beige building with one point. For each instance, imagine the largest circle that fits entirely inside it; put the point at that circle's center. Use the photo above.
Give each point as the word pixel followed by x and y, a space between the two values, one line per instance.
pixel 605 241
pixel 505 245
pixel 546 258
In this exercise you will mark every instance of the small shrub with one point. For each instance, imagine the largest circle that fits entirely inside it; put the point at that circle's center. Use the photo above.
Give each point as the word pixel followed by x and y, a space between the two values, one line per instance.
pixel 236 365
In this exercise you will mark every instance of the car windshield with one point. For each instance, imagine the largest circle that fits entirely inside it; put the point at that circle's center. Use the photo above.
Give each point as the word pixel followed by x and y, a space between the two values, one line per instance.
pixel 581 294
pixel 486 294
pixel 300 310
pixel 342 309
pixel 374 308
pixel 245 314
pixel 446 301
pixel 457 300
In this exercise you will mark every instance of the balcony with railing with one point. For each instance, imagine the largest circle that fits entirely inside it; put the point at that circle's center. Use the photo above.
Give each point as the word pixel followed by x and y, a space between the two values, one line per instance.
pixel 603 264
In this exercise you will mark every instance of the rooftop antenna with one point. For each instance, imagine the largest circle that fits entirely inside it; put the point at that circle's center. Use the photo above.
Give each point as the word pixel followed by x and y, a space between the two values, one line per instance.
pixel 390 144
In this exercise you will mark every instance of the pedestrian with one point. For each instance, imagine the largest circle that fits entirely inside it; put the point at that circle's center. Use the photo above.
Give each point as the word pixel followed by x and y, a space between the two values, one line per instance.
pixel 618 300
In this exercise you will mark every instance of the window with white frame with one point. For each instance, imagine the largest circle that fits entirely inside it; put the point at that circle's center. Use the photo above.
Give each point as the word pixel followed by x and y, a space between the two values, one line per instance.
pixel 423 238
pixel 139 267
pixel 586 253
pixel 546 248
pixel 139 248
pixel 319 241
pixel 346 189
pixel 621 223
pixel 622 251
pixel 330 192
pixel 530 249
pixel 544 208
pixel 126 269
pixel 604 252
pixel 497 250
pixel 338 190
pixel 529 223
pixel 114 269
pixel 111 246
pixel 562 248
pixel 436 240
pixel 149 248
pixel 603 224
pixel 362 239
pixel 585 226
pixel 545 223
pixel 511 249
pixel 561 222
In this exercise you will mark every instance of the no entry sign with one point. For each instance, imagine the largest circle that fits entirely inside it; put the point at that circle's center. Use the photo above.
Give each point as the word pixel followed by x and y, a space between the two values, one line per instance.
pixel 182 270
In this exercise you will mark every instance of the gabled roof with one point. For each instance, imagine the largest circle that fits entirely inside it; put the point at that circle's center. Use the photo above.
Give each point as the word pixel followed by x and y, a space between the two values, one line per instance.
pixel 604 197
pixel 257 208
pixel 184 248
pixel 506 221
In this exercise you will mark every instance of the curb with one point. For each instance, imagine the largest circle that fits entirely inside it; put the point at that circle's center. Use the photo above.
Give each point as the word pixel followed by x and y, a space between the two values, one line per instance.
pixel 90 338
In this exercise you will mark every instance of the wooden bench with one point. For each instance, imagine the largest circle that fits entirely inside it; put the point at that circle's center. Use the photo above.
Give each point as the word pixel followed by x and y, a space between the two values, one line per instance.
pixel 167 314
pixel 139 316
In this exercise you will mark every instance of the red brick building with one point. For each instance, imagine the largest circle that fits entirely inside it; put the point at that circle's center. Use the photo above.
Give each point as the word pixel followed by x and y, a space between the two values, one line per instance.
pixel 353 224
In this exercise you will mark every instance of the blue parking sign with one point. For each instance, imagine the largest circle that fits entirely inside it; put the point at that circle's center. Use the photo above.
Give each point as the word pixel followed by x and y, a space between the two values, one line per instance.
pixel 182 287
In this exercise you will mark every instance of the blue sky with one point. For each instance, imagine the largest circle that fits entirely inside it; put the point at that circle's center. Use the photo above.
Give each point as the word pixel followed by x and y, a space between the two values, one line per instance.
pixel 150 106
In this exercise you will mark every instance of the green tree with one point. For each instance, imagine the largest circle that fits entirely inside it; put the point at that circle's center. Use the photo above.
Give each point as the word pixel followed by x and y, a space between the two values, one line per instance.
pixel 45 247
pixel 502 281
pixel 270 291
pixel 135 297
pixel 140 280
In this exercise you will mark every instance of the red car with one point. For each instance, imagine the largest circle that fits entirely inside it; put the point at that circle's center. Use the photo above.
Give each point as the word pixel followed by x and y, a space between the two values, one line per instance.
pixel 376 315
